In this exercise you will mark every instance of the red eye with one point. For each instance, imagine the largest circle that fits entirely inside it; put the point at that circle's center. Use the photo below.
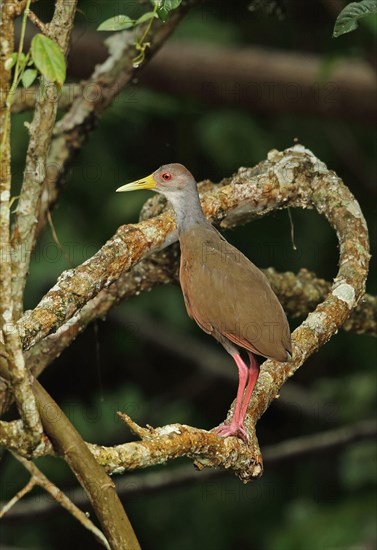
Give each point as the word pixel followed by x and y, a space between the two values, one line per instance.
pixel 166 176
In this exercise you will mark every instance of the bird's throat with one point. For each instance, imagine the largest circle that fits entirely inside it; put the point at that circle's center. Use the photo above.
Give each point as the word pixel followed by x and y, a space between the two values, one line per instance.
pixel 188 211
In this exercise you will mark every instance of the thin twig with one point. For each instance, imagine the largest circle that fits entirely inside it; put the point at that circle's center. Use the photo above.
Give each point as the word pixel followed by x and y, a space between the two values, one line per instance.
pixel 318 443
pixel 18 496
pixel 56 238
pixel 38 23
pixel 38 478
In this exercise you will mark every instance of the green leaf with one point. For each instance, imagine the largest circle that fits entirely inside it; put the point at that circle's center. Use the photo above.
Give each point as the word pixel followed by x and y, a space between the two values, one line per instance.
pixel 170 4
pixel 348 18
pixel 163 14
pixel 28 77
pixel 117 23
pixel 166 7
pixel 48 58
pixel 146 17
pixel 12 59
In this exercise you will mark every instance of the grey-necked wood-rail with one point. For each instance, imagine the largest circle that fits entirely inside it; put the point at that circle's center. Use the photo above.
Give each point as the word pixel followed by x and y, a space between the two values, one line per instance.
pixel 224 292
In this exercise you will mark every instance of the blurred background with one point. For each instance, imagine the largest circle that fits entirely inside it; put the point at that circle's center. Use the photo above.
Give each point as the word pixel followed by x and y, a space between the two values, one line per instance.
pixel 235 80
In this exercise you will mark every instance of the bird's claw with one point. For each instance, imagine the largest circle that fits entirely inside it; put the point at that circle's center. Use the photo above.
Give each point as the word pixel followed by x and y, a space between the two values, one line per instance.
pixel 232 430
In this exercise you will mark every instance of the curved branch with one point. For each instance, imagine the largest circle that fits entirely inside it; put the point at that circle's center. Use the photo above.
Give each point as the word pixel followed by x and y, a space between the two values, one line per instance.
pixel 294 177
pixel 159 445
pixel 301 293
pixel 286 179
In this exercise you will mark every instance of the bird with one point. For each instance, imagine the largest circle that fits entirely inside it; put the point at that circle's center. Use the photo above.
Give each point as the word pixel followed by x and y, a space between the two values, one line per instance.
pixel 223 291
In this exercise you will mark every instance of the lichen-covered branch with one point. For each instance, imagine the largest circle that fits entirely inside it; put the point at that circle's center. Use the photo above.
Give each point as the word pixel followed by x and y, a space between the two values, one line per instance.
pixel 159 445
pixel 331 198
pixel 176 440
pixel 76 287
pixel 15 435
pixel 40 130
pixel 134 486
pixel 300 293
pixel 294 177
pixel 248 194
pixel 11 350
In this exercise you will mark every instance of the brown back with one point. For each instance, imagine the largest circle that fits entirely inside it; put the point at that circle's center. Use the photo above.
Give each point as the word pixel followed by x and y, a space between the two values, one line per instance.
pixel 225 293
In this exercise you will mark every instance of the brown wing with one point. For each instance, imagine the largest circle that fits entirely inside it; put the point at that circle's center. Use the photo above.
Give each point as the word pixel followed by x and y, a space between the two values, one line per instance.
pixel 227 294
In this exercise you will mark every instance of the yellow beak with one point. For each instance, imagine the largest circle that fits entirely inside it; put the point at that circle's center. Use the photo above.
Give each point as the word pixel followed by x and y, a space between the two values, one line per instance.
pixel 145 183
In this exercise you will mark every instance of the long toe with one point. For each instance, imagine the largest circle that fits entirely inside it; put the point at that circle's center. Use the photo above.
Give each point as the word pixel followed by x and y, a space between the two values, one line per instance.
pixel 231 430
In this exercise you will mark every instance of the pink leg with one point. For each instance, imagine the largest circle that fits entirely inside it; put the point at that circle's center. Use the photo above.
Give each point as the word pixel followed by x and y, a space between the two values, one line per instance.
pixel 253 377
pixel 235 428
pixel 243 375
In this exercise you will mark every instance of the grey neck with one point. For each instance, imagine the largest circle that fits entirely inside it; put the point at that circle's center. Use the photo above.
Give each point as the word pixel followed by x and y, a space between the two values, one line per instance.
pixel 187 208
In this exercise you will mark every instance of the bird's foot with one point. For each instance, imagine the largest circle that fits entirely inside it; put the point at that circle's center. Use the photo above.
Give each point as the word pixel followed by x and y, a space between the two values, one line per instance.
pixel 232 430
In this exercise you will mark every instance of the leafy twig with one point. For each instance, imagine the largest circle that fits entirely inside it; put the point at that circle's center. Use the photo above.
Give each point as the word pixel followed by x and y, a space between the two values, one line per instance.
pixel 141 45
pixel 161 10
pixel 20 60
pixel 12 359
pixel 40 129
pixel 110 78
